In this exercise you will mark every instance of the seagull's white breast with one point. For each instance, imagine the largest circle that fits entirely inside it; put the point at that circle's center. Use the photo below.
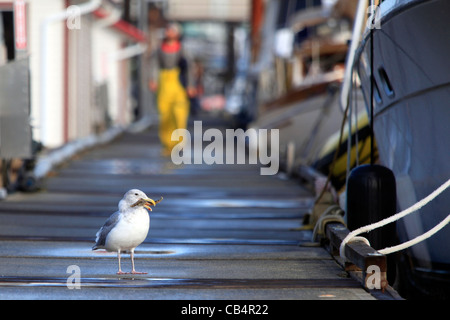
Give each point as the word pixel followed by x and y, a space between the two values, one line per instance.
pixel 130 231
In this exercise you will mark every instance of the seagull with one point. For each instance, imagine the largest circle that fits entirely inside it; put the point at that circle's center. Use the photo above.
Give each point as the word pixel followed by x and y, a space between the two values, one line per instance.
pixel 127 228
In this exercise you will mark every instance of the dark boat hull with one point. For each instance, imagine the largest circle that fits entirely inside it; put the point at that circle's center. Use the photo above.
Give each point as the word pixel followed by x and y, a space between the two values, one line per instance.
pixel 412 121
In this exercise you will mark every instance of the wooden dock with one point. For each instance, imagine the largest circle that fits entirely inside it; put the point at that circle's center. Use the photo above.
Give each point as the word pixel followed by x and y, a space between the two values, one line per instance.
pixel 222 232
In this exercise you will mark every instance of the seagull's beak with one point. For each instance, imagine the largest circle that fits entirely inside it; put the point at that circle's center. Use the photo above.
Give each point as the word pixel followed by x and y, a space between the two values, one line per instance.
pixel 148 202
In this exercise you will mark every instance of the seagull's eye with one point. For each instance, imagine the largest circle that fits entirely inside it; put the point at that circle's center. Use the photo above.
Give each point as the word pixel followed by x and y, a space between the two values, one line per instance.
pixel 136 194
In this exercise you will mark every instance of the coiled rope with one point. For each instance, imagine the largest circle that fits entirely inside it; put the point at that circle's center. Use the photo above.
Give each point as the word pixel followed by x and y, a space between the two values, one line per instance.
pixel 352 235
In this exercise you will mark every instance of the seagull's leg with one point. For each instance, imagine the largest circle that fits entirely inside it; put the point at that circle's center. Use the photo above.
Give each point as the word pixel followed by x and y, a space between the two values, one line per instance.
pixel 118 257
pixel 132 264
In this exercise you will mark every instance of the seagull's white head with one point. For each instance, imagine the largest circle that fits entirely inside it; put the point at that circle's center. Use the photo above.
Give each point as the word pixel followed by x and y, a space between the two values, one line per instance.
pixel 134 198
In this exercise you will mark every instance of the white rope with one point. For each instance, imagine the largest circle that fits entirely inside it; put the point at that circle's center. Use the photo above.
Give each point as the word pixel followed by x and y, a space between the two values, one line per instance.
pixel 396 217
pixel 417 239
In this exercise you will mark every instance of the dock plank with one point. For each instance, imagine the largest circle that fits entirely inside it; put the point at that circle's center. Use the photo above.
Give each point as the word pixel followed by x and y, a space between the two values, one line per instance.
pixel 222 232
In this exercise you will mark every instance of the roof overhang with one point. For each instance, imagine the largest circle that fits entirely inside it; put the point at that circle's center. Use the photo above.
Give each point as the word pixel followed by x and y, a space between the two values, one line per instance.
pixel 122 26
pixel 209 10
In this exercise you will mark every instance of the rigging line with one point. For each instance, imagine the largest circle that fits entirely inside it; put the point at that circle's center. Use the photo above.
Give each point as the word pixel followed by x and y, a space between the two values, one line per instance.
pixel 372 80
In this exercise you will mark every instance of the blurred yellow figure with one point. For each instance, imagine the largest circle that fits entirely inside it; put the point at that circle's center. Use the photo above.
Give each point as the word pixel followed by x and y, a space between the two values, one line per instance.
pixel 171 74
pixel 173 107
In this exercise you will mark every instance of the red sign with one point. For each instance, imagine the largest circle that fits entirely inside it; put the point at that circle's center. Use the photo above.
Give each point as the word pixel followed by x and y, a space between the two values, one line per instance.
pixel 20 24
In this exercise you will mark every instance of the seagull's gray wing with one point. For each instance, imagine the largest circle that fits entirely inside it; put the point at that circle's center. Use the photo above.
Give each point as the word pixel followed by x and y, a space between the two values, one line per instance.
pixel 103 232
